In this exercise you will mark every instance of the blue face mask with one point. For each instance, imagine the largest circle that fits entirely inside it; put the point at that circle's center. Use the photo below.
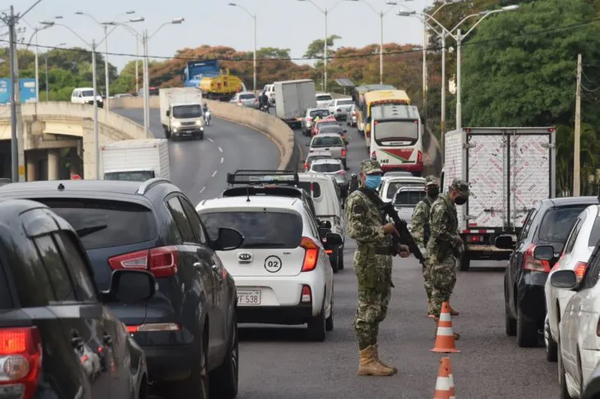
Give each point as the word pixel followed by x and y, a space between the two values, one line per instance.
pixel 373 181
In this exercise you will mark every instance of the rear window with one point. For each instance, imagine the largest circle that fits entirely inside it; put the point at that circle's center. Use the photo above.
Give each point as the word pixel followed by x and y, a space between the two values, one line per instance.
pixel 595 235
pixel 247 96
pixel 316 188
pixel 557 223
pixel 331 129
pixel 5 299
pixel 410 198
pixel 320 112
pixel 344 102
pixel 395 186
pixel 324 97
pixel 327 167
pixel 260 229
pixel 331 141
pixel 104 224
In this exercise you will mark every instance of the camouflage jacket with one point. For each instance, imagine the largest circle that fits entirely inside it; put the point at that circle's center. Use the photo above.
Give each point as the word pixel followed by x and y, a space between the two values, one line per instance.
pixel 421 230
pixel 364 221
pixel 444 228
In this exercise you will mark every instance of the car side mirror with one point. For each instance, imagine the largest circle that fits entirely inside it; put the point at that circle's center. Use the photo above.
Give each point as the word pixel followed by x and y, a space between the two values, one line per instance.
pixel 504 242
pixel 131 286
pixel 543 252
pixel 333 239
pixel 325 224
pixel 566 279
pixel 229 239
pixel 168 113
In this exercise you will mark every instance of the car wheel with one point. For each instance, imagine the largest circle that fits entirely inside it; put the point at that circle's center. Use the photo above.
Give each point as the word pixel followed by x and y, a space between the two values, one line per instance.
pixel 316 326
pixel 510 323
pixel 224 380
pixel 549 343
pixel 527 332
pixel 329 320
pixel 562 379
pixel 465 262
pixel 344 163
pixel 334 260
pixel 197 384
pixel 341 258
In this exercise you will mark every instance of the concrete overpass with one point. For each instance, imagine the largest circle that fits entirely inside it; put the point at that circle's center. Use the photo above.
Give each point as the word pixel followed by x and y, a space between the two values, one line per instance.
pixel 59 138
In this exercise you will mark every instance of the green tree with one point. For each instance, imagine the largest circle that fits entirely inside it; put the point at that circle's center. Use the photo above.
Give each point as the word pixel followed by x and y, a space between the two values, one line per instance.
pixel 315 49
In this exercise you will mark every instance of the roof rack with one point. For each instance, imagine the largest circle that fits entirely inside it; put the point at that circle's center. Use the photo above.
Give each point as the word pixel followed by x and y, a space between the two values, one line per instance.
pixel 148 184
pixel 290 192
pixel 261 177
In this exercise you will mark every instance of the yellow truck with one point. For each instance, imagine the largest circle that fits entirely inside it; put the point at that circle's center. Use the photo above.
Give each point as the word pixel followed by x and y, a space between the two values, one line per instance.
pixel 214 83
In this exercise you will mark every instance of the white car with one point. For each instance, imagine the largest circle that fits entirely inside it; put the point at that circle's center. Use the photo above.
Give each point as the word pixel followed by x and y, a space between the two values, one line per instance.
pixel 282 272
pixel 405 201
pixel 579 245
pixel 85 95
pixel 390 184
pixel 324 100
pixel 270 91
pixel 579 345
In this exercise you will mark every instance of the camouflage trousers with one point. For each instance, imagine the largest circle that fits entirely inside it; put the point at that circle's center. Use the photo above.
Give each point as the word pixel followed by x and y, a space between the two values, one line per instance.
pixel 374 274
pixel 428 287
pixel 441 275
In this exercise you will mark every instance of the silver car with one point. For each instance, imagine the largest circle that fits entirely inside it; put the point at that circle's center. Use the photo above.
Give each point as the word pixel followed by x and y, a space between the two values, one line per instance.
pixel 313 156
pixel 405 200
pixel 335 168
pixel 246 99
pixel 308 121
pixel 341 108
pixel 352 117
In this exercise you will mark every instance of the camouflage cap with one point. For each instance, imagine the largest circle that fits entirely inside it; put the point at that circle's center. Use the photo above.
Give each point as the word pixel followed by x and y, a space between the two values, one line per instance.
pixel 461 186
pixel 369 166
pixel 431 181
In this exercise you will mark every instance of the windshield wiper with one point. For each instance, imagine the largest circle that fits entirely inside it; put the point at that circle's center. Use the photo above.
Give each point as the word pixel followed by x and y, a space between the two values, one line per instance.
pixel 89 230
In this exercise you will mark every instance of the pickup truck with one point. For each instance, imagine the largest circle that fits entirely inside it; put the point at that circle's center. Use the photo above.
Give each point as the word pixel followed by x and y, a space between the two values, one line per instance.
pixel 332 142
pixel 340 108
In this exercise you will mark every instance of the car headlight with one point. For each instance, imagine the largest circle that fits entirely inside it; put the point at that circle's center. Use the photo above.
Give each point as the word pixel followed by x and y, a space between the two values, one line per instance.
pixel 176 124
pixel 198 122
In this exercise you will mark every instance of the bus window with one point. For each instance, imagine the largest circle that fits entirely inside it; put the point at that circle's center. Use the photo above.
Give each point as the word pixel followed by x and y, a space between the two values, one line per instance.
pixel 396 131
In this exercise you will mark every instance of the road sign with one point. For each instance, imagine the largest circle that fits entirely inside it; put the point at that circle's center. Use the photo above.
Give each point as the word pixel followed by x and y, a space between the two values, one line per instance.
pixel 28 90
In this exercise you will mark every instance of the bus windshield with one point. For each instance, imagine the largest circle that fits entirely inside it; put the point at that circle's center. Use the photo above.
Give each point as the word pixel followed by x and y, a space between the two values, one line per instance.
pixel 396 133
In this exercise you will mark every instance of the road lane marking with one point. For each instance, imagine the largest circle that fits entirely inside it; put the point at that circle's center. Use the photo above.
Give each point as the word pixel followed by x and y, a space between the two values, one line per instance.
pixel 211 140
pixel 220 149
pixel 222 159
pixel 202 189
pixel 214 173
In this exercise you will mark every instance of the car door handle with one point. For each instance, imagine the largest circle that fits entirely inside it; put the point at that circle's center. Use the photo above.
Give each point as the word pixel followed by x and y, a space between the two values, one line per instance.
pixel 198 266
pixel 108 340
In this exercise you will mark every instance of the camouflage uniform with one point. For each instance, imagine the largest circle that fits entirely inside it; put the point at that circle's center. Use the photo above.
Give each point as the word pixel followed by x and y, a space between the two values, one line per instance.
pixel 442 248
pixel 373 269
pixel 421 232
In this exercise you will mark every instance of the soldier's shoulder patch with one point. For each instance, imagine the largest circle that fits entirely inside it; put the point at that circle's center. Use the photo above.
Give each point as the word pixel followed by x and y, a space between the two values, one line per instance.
pixel 358 209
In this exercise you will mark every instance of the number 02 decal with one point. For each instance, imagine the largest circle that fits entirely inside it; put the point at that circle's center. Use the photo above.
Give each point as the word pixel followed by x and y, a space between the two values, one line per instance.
pixel 273 264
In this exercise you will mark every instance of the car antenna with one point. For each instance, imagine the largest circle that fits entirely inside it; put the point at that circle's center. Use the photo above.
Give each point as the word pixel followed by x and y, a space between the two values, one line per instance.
pixel 61 187
pixel 247 193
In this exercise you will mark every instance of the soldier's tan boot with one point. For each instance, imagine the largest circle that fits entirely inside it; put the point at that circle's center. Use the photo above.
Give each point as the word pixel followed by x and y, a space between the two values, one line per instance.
pixel 370 366
pixel 379 360
pixel 452 311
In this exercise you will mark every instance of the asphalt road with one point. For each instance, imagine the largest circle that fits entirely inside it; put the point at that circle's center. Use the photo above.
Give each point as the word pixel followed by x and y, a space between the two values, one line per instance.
pixel 277 362
pixel 199 167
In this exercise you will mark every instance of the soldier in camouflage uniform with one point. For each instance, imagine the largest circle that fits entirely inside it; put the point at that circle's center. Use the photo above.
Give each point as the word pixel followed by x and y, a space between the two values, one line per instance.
pixel 421 229
pixel 373 267
pixel 444 244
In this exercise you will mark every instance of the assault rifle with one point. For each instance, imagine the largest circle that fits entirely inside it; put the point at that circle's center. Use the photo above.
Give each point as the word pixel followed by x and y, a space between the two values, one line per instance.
pixel 404 235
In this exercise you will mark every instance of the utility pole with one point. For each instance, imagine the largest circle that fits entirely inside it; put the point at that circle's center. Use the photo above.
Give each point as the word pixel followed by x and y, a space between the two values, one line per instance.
pixel 381 15
pixel 325 56
pixel 96 129
pixel 14 83
pixel 577 147
pixel 106 74
pixel 425 83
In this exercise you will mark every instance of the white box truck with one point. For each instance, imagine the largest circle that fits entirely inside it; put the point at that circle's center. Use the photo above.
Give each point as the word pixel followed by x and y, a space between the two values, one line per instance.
pixel 135 160
pixel 181 112
pixel 293 98
pixel 509 170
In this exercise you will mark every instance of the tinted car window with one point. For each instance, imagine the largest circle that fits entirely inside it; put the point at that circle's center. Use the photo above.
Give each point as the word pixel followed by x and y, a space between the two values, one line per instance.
pixel 331 129
pixel 260 229
pixel 558 222
pixel 181 220
pixel 409 197
pixel 56 269
pixel 321 112
pixel 329 141
pixel 327 167
pixel 394 186
pixel 5 299
pixel 307 185
pixel 75 261
pixel 192 216
pixel 247 96
pixel 130 176
pixel 595 235
pixel 104 224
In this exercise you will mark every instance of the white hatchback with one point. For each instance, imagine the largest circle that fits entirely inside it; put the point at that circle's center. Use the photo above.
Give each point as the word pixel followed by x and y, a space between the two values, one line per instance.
pixel 282 272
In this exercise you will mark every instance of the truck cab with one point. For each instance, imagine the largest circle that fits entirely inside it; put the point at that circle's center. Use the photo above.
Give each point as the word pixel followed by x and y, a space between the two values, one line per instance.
pixel 181 112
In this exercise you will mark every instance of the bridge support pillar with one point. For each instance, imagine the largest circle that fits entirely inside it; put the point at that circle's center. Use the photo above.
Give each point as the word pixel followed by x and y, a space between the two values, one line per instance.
pixel 53 164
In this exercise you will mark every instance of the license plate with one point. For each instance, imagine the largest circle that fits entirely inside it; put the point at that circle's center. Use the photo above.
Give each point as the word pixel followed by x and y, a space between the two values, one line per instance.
pixel 248 298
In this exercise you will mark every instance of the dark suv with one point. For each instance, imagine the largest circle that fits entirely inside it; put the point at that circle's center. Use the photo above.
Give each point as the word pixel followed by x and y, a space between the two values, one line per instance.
pixel 549 223
pixel 56 338
pixel 189 328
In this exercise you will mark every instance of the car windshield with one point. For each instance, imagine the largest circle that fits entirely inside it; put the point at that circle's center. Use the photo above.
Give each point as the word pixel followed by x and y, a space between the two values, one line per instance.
pixel 103 223
pixel 393 187
pixel 345 102
pixel 327 167
pixel 390 131
pixel 323 113
pixel 331 129
pixel 408 198
pixel 87 93
pixel 130 176
pixel 595 234
pixel 258 227
pixel 247 96
pixel 324 97
pixel 557 223
pixel 309 187
pixel 187 111
pixel 328 141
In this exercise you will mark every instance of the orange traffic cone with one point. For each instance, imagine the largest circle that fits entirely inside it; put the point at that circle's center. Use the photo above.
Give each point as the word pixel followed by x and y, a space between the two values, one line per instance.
pixel 444 387
pixel 451 377
pixel 444 341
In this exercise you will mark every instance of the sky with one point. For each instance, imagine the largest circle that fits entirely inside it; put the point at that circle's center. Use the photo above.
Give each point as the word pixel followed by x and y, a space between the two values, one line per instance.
pixel 289 24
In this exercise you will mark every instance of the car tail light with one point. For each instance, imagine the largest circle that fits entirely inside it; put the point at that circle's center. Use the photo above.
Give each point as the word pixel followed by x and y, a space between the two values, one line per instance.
pixel 162 262
pixel 343 152
pixel 530 263
pixel 20 362
pixel 305 167
pixel 311 255
pixel 419 157
pixel 474 238
pixel 580 268
pixel 306 296
pixel 309 119
pixel 341 172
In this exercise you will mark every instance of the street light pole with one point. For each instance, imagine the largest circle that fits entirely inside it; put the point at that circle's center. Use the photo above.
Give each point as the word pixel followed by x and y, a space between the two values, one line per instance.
pixel 459 39
pixel 325 55
pixel 13 98
pixel 96 129
pixel 106 77
pixel 254 19
pixel 381 15
pixel 46 62
pixel 137 59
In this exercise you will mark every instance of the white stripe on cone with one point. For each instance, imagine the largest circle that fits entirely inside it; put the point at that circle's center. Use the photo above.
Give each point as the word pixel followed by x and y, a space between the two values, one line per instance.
pixel 451 378
pixel 447 331
pixel 445 317
pixel 442 384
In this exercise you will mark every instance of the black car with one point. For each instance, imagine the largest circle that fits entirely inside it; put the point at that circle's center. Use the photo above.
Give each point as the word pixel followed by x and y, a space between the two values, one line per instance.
pixel 189 327
pixel 57 340
pixel 548 223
